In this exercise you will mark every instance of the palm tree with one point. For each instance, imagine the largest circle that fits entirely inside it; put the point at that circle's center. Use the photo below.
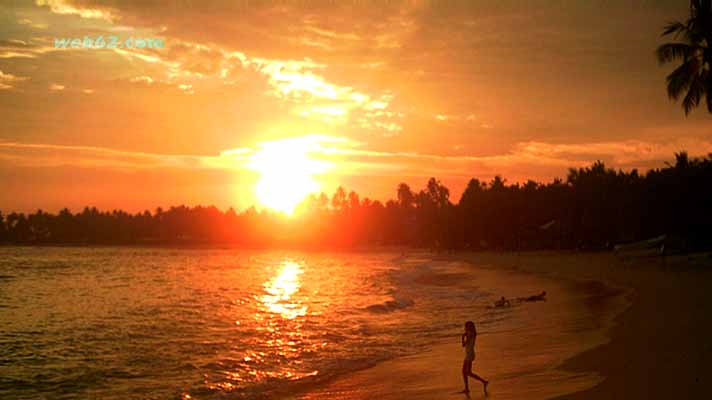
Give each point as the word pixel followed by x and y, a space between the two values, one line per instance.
pixel 692 78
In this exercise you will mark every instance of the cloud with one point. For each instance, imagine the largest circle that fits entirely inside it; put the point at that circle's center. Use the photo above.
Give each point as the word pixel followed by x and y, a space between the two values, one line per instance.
pixel 186 88
pixel 298 83
pixel 525 160
pixel 431 73
pixel 14 43
pixel 52 155
pixel 66 8
pixel 7 80
pixel 30 23
pixel 256 44
pixel 141 79
pixel 618 154
pixel 55 87
pixel 31 48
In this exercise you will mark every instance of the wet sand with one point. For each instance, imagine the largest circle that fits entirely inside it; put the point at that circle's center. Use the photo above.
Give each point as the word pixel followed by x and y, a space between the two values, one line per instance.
pixel 641 328
pixel 661 346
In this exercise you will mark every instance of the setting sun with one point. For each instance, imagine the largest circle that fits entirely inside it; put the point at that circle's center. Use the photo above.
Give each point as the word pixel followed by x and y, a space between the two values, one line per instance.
pixel 286 173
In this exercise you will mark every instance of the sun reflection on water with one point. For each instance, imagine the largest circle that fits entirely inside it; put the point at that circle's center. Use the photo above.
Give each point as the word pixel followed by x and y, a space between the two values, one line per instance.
pixel 279 292
pixel 277 345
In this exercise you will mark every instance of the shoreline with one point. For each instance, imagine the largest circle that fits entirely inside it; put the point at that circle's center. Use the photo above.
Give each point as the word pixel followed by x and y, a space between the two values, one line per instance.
pixel 520 356
pixel 660 346
pixel 623 363
pixel 663 341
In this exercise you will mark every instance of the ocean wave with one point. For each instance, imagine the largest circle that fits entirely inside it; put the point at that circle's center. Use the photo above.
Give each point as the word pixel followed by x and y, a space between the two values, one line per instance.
pixel 390 305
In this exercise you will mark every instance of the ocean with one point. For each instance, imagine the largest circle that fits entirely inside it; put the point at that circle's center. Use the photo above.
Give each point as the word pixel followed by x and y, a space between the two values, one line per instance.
pixel 154 323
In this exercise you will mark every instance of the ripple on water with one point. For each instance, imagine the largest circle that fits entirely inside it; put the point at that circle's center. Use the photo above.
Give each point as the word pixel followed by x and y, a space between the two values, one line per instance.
pixel 123 323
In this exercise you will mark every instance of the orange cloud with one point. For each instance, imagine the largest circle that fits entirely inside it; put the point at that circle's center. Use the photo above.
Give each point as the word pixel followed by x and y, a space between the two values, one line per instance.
pixel 8 80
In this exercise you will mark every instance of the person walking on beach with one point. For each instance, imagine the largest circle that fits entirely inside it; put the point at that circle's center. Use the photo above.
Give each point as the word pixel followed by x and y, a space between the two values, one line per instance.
pixel 468 342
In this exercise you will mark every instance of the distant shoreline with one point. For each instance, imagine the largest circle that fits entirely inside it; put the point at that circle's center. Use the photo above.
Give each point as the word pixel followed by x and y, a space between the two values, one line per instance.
pixel 595 208
pixel 457 253
pixel 355 249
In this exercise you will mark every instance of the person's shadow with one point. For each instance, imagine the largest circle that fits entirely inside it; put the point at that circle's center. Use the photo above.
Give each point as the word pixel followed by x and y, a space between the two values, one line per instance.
pixel 467 395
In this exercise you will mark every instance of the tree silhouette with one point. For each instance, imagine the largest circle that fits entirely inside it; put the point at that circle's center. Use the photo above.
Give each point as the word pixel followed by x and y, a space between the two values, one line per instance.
pixel 691 78
pixel 406 198
pixel 594 208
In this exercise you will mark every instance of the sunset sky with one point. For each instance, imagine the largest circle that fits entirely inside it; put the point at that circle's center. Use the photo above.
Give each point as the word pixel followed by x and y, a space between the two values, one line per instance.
pixel 363 94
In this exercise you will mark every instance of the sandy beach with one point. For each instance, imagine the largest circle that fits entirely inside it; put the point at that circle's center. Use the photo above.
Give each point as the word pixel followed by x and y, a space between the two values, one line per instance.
pixel 639 328
pixel 661 346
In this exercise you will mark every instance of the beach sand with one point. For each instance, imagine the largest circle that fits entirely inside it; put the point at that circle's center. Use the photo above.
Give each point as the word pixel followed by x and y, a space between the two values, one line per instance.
pixel 640 327
pixel 661 346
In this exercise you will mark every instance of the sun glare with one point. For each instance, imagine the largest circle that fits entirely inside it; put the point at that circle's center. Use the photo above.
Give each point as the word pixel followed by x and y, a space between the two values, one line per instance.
pixel 286 172
pixel 279 291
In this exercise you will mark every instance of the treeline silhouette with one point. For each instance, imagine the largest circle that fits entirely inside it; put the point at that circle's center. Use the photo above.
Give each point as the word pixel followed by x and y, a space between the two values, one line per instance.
pixel 594 208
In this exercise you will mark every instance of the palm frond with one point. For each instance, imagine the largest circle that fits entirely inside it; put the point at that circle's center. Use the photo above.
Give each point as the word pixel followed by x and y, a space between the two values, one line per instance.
pixel 694 95
pixel 679 80
pixel 675 27
pixel 700 8
pixel 671 51
pixel 692 80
